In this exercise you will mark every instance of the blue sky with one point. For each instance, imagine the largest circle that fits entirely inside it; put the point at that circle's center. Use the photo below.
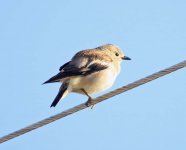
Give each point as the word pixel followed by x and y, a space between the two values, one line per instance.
pixel 36 37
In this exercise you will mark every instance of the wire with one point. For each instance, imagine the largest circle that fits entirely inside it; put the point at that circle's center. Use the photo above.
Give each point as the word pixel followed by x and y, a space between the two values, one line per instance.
pixel 96 100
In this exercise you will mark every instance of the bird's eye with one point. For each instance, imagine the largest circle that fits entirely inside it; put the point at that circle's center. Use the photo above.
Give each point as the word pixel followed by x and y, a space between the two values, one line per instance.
pixel 116 54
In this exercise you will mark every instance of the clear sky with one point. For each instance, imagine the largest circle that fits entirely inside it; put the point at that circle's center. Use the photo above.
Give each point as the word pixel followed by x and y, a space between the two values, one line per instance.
pixel 37 37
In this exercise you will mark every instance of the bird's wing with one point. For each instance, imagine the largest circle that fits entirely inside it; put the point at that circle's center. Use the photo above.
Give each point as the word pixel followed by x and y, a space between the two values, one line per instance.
pixel 72 69
pixel 95 67
pixel 63 66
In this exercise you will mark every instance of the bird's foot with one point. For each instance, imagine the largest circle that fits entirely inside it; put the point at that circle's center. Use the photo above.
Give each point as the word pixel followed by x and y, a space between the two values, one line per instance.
pixel 89 103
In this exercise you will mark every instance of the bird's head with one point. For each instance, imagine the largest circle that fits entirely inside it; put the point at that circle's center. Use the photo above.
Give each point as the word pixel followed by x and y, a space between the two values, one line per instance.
pixel 115 52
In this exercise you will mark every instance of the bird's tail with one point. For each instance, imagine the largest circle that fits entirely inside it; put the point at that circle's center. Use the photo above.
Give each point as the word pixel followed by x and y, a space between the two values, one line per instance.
pixel 63 91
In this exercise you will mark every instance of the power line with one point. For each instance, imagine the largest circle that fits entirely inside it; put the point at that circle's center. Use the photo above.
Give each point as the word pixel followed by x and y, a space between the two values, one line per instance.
pixel 96 100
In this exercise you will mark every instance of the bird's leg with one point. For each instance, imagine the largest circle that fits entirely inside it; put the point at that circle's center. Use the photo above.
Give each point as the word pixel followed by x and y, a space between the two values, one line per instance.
pixel 89 101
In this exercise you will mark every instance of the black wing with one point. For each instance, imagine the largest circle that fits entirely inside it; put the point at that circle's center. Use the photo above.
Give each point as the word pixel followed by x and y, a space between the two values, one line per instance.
pixel 63 66
pixel 71 70
pixel 94 68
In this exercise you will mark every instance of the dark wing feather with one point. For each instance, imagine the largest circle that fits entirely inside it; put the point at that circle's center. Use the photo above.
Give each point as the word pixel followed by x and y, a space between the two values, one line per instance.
pixel 95 68
pixel 63 66
pixel 72 70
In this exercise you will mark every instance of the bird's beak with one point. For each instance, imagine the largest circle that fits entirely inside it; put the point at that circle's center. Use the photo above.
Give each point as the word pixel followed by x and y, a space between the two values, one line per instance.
pixel 126 58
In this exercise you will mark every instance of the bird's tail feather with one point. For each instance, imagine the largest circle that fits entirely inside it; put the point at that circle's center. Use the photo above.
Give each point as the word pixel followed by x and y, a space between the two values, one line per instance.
pixel 63 91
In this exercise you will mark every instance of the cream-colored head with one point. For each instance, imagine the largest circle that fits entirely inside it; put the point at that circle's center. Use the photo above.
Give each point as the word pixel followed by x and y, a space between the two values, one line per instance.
pixel 114 51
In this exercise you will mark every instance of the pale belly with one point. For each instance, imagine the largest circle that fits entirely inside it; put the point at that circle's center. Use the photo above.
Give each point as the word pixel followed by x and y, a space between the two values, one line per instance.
pixel 93 83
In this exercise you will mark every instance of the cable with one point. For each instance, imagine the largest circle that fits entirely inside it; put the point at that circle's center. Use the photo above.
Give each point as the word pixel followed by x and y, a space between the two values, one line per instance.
pixel 96 100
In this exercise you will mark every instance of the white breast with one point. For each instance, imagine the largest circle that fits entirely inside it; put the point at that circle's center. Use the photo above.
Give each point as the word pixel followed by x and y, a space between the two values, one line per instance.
pixel 95 82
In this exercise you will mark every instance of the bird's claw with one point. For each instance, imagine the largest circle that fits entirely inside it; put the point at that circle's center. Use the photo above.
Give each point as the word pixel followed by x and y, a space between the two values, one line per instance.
pixel 89 103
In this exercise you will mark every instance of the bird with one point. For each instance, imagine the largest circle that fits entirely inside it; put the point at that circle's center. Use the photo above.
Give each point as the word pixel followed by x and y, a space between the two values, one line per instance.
pixel 89 71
